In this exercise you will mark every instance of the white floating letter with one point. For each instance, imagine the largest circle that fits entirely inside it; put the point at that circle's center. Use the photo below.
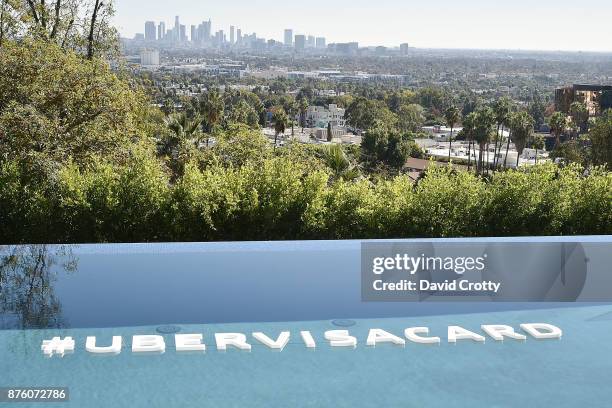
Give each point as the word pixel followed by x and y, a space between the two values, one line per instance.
pixel 189 342
pixel 114 348
pixel 237 340
pixel 340 338
pixel 459 333
pixel 376 336
pixel 499 331
pixel 277 344
pixel 535 330
pixel 148 344
pixel 412 334
pixel 308 340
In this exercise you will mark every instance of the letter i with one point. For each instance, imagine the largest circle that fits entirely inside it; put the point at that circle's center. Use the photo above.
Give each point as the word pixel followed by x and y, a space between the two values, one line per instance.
pixel 308 340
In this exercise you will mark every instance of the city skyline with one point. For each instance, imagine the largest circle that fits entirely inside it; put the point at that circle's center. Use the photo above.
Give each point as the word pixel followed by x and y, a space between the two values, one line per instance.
pixel 474 24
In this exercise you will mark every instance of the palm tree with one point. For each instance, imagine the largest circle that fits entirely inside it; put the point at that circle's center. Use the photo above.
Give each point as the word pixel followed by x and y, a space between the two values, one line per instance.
pixel 580 116
pixel 303 110
pixel 469 123
pixel 485 118
pixel 558 124
pixel 502 109
pixel 537 144
pixel 292 108
pixel 212 108
pixel 452 116
pixel 336 159
pixel 280 123
pixel 182 130
pixel 522 129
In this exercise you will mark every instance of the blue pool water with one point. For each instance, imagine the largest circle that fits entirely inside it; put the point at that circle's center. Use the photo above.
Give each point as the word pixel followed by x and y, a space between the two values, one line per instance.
pixel 125 290
pixel 571 372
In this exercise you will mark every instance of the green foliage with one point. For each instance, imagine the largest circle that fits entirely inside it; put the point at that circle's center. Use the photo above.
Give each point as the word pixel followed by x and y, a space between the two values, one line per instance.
pixel 601 138
pixel 382 146
pixel 365 114
pixel 55 106
pixel 282 198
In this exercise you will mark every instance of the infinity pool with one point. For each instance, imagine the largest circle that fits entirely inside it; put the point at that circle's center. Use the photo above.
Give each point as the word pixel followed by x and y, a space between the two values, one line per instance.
pixel 127 290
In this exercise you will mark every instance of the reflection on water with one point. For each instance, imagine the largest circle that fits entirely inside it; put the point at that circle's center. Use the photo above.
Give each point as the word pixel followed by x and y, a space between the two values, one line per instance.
pixel 27 277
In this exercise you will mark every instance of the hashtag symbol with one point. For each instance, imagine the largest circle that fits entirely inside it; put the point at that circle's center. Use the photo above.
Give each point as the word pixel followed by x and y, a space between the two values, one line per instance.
pixel 57 346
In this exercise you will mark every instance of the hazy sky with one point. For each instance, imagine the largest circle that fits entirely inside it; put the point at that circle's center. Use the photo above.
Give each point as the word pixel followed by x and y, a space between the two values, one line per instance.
pixel 510 24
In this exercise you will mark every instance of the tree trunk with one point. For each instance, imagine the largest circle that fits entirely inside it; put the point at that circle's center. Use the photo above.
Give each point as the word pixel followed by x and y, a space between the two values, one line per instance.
pixel 536 157
pixel 92 27
pixel 498 141
pixel 450 144
pixel 507 148
pixel 469 154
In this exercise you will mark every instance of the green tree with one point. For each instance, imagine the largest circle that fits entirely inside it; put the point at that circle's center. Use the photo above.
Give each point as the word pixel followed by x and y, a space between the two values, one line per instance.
pixel 580 117
pixel 558 125
pixel 502 109
pixel 537 144
pixel 280 123
pixel 522 129
pixel 483 128
pixel 303 108
pixel 411 118
pixel 55 107
pixel 601 139
pixel 212 107
pixel 339 163
pixel 82 26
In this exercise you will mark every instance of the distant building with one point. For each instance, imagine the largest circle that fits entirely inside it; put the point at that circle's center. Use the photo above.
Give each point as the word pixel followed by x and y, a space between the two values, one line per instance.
pixel 183 34
pixel 597 98
pixel 161 31
pixel 150 31
pixel 320 43
pixel 232 35
pixel 404 49
pixel 239 37
pixel 351 48
pixel 319 116
pixel 177 29
pixel 149 58
pixel 311 42
pixel 300 42
pixel 194 34
pixel 289 38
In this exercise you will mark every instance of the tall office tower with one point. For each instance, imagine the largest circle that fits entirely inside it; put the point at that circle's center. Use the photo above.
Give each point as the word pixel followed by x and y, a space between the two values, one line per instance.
pixel 288 37
pixel 161 31
pixel 300 42
pixel 207 30
pixel 177 29
pixel 239 37
pixel 310 43
pixel 194 34
pixel 404 48
pixel 232 35
pixel 183 34
pixel 320 42
pixel 150 31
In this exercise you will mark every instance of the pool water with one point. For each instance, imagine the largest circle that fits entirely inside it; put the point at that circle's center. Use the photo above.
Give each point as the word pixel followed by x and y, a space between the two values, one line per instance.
pixel 158 289
pixel 570 372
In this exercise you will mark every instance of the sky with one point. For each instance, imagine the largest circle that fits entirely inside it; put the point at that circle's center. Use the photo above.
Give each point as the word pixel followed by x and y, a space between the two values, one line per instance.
pixel 483 24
